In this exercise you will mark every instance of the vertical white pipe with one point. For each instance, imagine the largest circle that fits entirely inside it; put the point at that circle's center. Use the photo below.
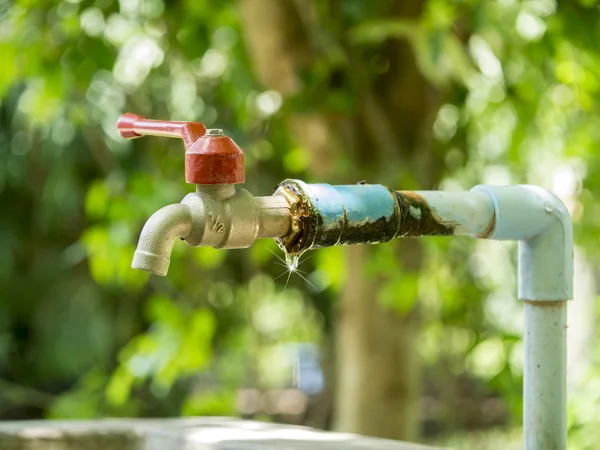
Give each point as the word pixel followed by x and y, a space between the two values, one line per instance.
pixel 543 227
pixel 545 376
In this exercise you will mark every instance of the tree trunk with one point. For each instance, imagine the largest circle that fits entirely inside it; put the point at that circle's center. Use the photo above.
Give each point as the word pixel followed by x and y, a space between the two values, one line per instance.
pixel 378 383
pixel 378 370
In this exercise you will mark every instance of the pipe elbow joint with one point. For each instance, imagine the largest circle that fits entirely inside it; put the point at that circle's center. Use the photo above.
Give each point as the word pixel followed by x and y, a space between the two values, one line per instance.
pixel 542 224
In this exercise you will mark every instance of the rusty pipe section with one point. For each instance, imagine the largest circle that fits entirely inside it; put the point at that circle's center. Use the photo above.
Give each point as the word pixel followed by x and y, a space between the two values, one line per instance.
pixel 323 215
pixel 218 216
pixel 468 213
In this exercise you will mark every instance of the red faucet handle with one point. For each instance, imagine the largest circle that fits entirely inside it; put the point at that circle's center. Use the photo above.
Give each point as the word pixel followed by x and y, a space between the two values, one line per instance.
pixel 133 126
pixel 210 156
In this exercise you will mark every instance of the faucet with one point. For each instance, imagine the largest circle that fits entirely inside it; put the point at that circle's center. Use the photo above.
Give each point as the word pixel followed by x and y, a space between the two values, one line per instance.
pixel 216 214
pixel 302 216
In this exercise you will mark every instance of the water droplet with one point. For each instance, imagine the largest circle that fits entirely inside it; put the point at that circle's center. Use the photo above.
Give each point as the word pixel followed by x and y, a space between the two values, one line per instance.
pixel 292 261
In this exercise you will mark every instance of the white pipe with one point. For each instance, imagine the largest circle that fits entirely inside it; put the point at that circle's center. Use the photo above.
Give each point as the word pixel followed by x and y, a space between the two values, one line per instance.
pixel 542 225
pixel 470 213
pixel 545 376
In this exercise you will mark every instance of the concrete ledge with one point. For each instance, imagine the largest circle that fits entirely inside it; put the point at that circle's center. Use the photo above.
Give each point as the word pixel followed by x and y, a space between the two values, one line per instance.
pixel 206 433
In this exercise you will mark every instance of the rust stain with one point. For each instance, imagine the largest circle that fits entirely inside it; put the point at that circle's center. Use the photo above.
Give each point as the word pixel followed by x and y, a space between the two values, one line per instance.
pixel 490 228
pixel 412 195
pixel 371 230
pixel 417 218
pixel 547 304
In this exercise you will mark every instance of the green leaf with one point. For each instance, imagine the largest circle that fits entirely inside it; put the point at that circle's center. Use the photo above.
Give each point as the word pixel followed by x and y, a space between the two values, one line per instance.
pixel 119 387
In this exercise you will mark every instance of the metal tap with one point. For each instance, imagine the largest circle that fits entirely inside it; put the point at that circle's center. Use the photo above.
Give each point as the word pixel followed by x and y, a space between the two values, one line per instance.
pixel 216 214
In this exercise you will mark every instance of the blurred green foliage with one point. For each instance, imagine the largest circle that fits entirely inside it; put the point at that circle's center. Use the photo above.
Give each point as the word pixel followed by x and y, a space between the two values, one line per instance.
pixel 82 335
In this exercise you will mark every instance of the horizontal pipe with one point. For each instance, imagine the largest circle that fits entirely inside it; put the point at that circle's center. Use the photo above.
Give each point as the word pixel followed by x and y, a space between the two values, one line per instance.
pixel 326 215
pixel 468 213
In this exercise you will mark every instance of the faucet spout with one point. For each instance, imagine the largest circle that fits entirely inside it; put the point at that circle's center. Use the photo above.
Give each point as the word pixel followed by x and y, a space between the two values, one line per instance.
pixel 153 253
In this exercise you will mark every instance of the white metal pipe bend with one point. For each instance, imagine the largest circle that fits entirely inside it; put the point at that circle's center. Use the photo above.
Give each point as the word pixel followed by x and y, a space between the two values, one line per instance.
pixel 542 225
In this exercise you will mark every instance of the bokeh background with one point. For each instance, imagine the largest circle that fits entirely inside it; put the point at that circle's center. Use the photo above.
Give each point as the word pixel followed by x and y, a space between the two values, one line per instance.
pixel 416 340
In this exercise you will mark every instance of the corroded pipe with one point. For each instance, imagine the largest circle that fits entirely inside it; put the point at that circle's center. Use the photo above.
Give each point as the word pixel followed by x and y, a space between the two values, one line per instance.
pixel 465 213
pixel 325 215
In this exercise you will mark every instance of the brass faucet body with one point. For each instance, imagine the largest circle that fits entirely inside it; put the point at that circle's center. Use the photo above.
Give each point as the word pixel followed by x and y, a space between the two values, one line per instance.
pixel 217 216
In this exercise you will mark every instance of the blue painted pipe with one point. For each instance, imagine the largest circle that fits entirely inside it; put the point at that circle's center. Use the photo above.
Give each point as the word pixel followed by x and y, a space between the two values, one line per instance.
pixel 327 215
